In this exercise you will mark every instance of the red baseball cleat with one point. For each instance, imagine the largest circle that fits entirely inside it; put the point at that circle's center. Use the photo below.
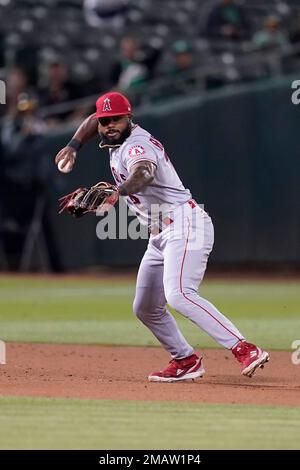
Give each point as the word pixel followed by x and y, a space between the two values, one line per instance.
pixel 180 369
pixel 250 356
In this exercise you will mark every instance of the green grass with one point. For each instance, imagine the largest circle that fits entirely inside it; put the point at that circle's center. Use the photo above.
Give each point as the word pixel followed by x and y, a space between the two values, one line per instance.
pixel 41 423
pixel 91 311
pixel 96 312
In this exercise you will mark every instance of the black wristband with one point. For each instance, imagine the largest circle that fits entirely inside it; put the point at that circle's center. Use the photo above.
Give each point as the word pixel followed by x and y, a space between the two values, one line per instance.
pixel 75 144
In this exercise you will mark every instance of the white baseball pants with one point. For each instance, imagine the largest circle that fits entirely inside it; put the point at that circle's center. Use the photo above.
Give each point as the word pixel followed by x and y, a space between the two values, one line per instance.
pixel 170 272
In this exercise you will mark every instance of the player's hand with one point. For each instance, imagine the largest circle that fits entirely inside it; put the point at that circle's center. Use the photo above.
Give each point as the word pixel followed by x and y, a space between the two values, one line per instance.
pixel 68 156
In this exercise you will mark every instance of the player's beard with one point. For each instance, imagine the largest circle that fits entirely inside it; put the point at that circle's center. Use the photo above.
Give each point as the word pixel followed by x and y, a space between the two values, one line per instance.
pixel 116 141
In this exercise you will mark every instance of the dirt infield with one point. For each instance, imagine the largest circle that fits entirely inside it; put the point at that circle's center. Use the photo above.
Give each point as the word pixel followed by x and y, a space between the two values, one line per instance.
pixel 52 370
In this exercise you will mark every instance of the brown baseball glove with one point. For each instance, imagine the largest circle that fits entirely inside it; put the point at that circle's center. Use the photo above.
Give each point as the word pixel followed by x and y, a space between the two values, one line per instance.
pixel 97 200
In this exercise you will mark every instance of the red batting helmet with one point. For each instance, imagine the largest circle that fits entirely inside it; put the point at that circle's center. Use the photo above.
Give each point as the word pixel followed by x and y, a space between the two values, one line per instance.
pixel 112 104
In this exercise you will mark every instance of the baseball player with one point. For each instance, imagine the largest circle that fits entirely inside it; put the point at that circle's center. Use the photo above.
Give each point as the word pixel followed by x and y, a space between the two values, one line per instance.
pixel 181 239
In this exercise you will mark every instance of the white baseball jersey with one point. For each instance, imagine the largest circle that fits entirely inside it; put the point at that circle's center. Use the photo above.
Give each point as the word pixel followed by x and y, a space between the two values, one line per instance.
pixel 166 191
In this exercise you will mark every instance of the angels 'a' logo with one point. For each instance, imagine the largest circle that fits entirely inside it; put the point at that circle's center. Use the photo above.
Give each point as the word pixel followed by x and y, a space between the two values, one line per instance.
pixel 136 151
pixel 106 105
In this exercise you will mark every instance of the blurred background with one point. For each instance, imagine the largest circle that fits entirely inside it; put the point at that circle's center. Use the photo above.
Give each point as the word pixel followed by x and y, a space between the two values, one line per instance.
pixel 210 78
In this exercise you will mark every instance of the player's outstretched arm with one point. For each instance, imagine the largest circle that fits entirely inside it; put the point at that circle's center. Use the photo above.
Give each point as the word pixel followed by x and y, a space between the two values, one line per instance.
pixel 141 174
pixel 86 131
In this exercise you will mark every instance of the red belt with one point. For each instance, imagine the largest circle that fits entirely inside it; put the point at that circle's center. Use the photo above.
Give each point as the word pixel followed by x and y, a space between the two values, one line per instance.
pixel 168 221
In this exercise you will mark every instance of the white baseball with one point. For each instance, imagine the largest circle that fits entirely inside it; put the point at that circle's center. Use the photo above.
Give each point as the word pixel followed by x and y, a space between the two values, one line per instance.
pixel 66 169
